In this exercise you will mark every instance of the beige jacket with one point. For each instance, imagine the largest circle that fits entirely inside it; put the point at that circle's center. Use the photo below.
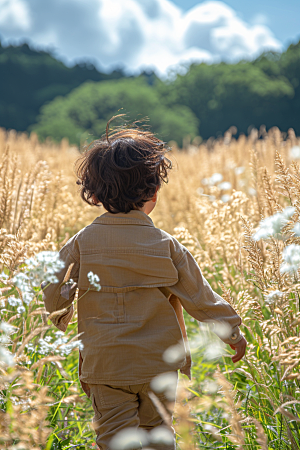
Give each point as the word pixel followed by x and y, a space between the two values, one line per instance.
pixel 129 324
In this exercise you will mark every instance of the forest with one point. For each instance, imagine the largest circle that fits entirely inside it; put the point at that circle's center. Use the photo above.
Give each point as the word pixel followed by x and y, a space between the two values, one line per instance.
pixel 40 93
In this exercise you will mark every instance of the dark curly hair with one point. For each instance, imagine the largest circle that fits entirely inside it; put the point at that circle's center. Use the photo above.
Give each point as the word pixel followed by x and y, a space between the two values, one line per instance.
pixel 122 169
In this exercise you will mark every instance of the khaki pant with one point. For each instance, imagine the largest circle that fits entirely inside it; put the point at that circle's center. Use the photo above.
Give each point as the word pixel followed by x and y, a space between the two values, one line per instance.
pixel 119 407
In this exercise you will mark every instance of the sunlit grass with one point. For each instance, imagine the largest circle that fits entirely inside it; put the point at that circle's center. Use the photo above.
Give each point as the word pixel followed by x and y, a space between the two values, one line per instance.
pixel 216 198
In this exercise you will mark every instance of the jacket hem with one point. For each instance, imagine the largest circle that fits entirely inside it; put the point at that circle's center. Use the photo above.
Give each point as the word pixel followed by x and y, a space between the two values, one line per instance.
pixel 111 382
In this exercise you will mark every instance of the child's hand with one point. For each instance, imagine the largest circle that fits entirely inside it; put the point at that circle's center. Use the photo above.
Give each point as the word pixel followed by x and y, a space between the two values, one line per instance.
pixel 240 349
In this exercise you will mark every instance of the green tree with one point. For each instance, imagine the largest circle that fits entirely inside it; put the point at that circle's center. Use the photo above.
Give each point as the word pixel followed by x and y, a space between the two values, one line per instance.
pixel 29 78
pixel 222 95
pixel 85 111
pixel 287 67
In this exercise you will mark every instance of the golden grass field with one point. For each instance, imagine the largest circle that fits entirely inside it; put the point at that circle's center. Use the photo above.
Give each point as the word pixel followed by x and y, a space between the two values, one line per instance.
pixel 217 195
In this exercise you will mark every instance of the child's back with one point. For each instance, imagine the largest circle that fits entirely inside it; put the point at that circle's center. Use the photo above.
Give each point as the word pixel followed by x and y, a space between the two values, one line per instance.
pixel 129 324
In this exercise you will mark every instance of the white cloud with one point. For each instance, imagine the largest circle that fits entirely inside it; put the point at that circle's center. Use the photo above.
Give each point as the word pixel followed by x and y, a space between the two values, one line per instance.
pixel 15 15
pixel 135 34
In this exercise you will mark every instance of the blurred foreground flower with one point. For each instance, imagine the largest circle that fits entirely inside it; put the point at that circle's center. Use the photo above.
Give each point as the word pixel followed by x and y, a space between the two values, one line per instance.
pixel 214 179
pixel 225 198
pixel 165 383
pixel 225 186
pixel 252 191
pixel 135 438
pixel 272 226
pixel 208 340
pixel 214 350
pixel 291 257
pixel 239 170
pixel 210 386
pixel 174 354
pixel 296 229
pixel 128 439
pixel 295 152
pixel 6 357
pixel 161 436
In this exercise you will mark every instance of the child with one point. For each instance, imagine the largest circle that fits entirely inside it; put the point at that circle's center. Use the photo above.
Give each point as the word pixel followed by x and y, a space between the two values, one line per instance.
pixel 145 275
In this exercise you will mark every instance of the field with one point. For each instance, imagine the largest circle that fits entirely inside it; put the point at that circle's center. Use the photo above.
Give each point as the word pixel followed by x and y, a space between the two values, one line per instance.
pixel 214 203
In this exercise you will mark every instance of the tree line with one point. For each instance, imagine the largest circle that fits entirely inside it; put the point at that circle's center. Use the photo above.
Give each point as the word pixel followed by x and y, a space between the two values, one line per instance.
pixel 39 93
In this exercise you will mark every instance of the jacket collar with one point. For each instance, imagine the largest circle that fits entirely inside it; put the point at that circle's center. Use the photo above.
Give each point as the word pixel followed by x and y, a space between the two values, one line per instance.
pixel 134 217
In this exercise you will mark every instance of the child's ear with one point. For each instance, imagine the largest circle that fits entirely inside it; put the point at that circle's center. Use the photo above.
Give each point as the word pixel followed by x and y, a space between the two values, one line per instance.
pixel 95 200
pixel 154 198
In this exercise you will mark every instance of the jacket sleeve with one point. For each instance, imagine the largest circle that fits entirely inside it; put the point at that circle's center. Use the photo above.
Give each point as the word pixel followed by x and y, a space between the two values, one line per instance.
pixel 199 300
pixel 58 296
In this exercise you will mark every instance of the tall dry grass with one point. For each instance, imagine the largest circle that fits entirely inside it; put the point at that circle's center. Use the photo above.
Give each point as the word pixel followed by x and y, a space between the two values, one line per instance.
pixel 217 195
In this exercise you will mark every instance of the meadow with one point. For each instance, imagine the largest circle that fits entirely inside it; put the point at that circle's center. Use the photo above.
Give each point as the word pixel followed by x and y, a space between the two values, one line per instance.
pixel 235 204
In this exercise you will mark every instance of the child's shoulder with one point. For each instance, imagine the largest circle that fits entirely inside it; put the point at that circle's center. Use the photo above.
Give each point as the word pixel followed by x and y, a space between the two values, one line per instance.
pixel 73 241
pixel 176 248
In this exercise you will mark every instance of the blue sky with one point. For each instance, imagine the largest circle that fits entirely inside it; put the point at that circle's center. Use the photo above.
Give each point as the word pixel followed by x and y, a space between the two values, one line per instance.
pixel 151 34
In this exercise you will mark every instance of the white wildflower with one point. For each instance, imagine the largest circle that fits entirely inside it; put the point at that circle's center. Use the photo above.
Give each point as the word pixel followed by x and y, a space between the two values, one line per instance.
pixel 216 178
pixel 28 297
pixel 295 152
pixel 21 309
pixel 43 266
pixel 4 339
pixel 252 192
pixel 6 358
pixel 288 212
pixel 59 333
pixel 30 347
pixel 272 226
pixel 273 296
pixel 225 198
pixel 225 186
pixel 296 229
pixel 66 349
pixel 239 170
pixel 7 328
pixel 22 281
pixel 291 257
pixel 60 346
pixel 94 280
pixel 4 276
pixel 13 301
